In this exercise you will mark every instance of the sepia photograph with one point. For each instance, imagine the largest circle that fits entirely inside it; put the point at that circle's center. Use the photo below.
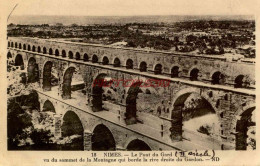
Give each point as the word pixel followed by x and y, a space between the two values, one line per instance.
pixel 122 76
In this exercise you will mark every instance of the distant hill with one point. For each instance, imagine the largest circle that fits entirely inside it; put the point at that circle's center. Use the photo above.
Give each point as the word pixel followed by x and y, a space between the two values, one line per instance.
pixel 88 20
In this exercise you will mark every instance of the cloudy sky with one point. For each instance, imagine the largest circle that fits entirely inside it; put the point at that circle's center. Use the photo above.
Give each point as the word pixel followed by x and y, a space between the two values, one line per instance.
pixel 131 7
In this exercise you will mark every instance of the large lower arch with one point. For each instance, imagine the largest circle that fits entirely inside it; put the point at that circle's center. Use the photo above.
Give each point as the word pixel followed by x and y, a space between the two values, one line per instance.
pixel 139 89
pixel 130 115
pixel 102 139
pixel 182 114
pixel 66 86
pixel 47 76
pixel 138 145
pixel 97 91
pixel 19 61
pixel 72 126
pixel 242 125
pixel 33 71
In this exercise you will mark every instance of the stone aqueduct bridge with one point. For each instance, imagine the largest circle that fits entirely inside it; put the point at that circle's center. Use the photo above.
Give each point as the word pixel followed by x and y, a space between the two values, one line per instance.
pixel 226 86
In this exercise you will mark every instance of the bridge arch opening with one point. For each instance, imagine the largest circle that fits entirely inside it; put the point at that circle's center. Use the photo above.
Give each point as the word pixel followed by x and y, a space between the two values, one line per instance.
pixel 29 48
pixel 195 115
pixel 50 51
pixel 159 110
pixel 39 49
pixel 131 110
pixel 158 69
pixel 117 63
pixel 239 81
pixel 94 59
pixel 138 145
pixel 20 46
pixel 143 67
pixel 19 61
pixel 70 55
pixel 12 44
pixel 67 79
pixel 57 53
pixel 77 56
pixel 15 45
pixel 33 49
pixel 44 51
pixel 175 71
pixel 47 75
pixel 102 139
pixel 97 91
pixel 73 128
pixel 194 74
pixel 63 52
pixel 48 107
pixel 24 46
pixel 33 71
pixel 9 55
pixel 105 61
pixel 129 64
pixel 85 58
pixel 242 128
pixel 217 78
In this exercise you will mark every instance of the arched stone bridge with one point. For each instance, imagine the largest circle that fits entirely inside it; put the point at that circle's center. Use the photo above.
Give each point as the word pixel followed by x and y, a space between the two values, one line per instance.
pixel 115 114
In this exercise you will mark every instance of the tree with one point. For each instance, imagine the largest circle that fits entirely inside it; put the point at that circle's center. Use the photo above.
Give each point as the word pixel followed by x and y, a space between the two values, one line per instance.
pixel 176 39
pixel 32 100
pixel 221 50
pixel 17 121
pixel 131 44
pixel 233 44
pixel 41 137
pixel 191 38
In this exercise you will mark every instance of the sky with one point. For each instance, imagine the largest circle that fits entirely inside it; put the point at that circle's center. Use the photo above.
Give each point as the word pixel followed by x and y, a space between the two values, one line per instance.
pixel 132 7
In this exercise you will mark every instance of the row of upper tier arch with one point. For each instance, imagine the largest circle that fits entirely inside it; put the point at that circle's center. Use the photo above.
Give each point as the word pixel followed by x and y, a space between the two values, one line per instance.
pixel 194 74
